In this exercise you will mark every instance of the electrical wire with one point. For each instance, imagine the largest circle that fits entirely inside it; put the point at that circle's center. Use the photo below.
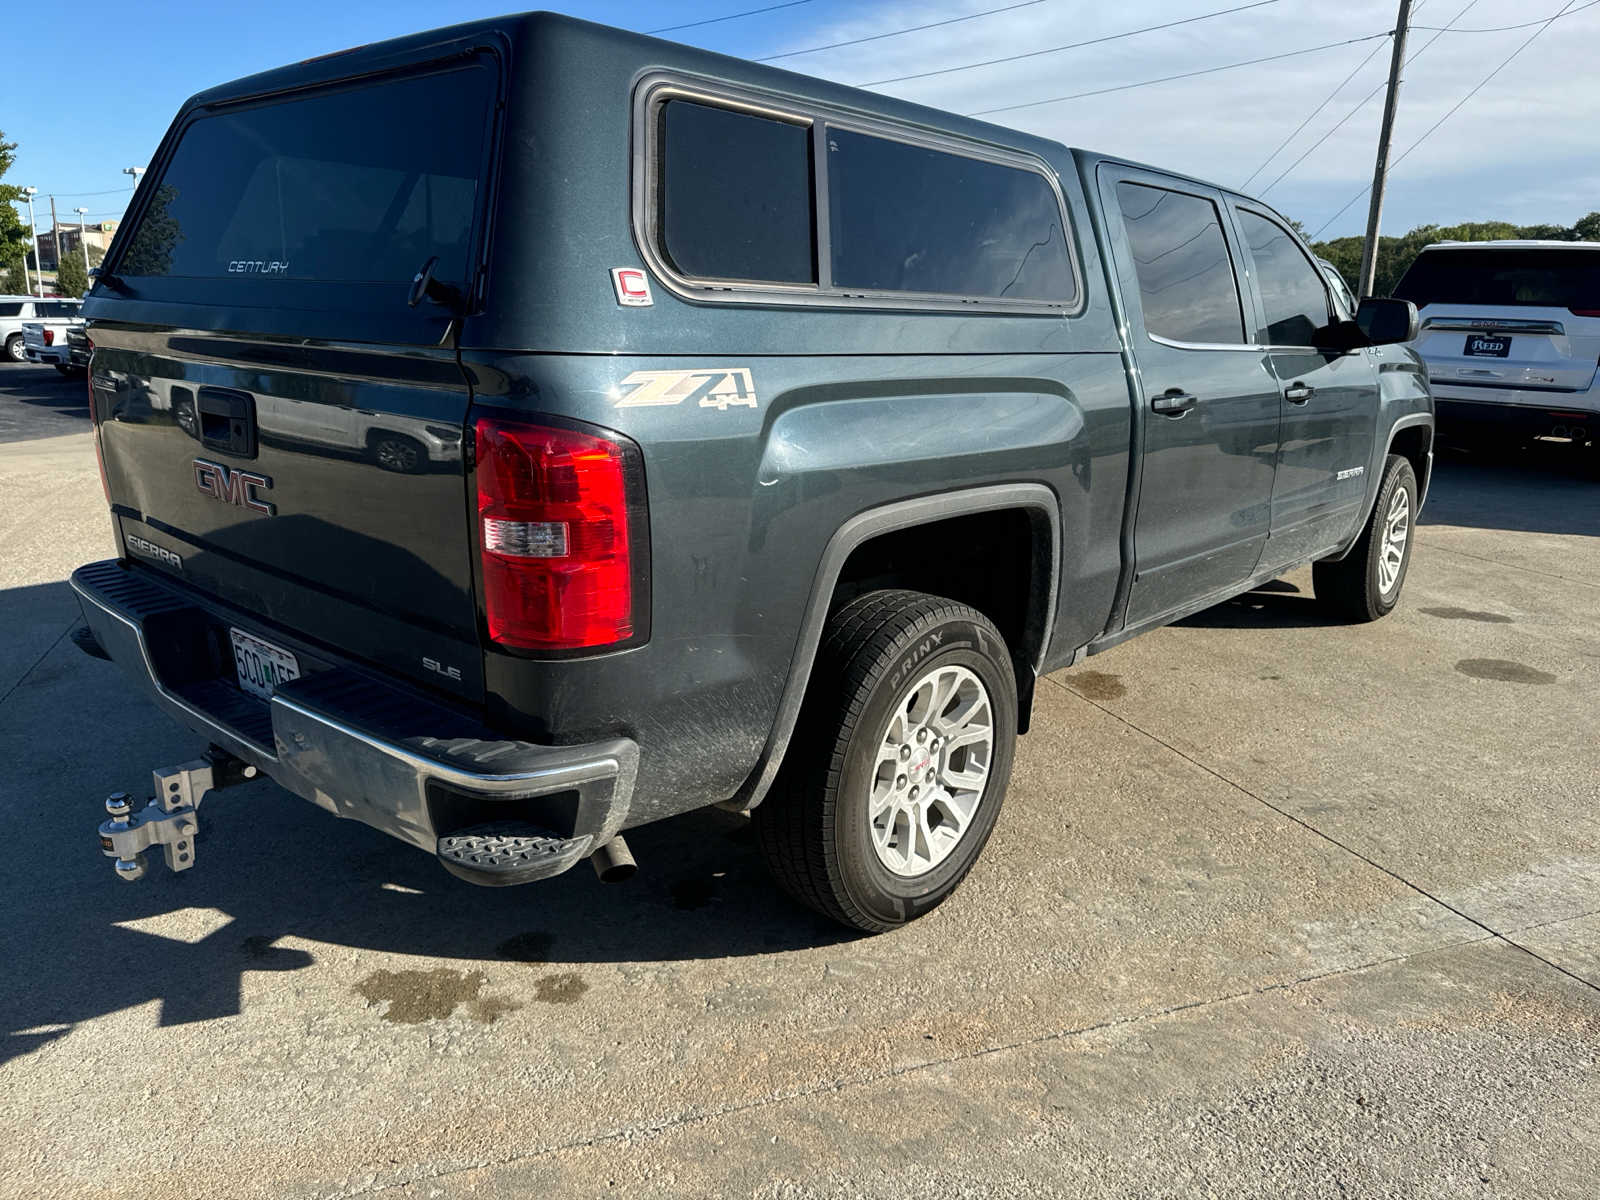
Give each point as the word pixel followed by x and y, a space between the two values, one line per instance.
pixel 1123 87
pixel 878 37
pixel 1362 103
pixel 1111 37
pixel 1504 63
pixel 1508 28
pixel 753 12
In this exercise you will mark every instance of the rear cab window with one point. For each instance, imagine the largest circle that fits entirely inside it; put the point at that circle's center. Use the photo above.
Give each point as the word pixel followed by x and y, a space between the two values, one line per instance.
pixel 328 199
pixel 739 202
pixel 1187 286
pixel 1535 277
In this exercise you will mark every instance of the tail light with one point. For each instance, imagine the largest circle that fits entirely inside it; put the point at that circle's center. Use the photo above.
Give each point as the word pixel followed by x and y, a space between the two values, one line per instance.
pixel 1585 312
pixel 559 544
pixel 49 337
pixel 94 422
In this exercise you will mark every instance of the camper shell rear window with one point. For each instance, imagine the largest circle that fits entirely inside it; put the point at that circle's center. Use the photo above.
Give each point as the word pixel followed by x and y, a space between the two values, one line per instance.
pixel 352 185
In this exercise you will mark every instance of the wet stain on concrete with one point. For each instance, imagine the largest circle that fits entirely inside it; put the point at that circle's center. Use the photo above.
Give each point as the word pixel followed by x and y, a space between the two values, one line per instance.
pixel 693 893
pixel 530 947
pixel 564 988
pixel 1097 685
pixel 417 996
pixel 1503 670
pixel 1467 614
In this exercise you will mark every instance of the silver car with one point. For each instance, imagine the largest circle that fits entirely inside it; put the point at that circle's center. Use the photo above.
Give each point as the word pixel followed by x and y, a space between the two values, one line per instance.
pixel 1511 336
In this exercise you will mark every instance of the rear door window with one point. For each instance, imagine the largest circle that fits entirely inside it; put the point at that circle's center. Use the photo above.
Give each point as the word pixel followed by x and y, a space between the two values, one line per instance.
pixel 10 310
pixel 1544 277
pixel 1186 281
pixel 909 218
pixel 1294 296
pixel 735 195
pixel 352 185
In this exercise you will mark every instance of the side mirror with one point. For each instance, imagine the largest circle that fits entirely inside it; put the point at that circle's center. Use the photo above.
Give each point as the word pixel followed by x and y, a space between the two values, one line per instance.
pixel 1388 322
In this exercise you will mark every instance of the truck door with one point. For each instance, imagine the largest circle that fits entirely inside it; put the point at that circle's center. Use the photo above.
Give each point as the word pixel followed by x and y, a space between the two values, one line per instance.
pixel 1209 402
pixel 1330 397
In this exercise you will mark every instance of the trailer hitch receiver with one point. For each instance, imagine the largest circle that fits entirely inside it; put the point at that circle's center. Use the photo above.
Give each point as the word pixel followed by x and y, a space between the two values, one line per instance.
pixel 171 818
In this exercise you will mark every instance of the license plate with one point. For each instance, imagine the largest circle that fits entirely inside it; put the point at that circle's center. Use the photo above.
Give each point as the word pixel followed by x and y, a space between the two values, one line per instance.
pixel 1479 346
pixel 260 665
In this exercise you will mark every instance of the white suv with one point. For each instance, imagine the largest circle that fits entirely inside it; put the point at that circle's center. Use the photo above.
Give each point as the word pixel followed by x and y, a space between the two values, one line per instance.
pixel 1511 336
pixel 15 311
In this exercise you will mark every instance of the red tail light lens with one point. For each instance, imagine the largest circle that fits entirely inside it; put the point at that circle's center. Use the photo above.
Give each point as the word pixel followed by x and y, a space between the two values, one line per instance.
pixel 49 337
pixel 553 519
pixel 1586 312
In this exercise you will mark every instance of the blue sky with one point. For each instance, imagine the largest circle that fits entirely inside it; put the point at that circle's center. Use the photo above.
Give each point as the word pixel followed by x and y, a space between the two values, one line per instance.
pixel 1520 149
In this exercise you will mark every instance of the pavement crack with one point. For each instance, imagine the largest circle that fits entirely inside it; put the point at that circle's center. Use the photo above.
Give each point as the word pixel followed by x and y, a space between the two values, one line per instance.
pixel 1328 837
pixel 1434 548
pixel 834 1086
pixel 34 666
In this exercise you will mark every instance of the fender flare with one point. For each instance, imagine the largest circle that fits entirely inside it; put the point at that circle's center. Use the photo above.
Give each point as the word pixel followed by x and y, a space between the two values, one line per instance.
pixel 861 528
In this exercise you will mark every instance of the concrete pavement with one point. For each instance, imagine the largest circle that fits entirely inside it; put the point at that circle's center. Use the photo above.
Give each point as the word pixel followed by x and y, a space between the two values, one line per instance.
pixel 1275 908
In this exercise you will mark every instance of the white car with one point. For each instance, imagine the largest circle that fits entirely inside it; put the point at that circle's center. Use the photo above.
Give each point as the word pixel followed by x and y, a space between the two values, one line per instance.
pixel 15 311
pixel 1511 336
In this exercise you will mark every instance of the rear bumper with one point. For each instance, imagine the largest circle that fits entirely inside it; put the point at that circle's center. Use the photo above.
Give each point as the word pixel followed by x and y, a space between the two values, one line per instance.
pixel 348 740
pixel 1527 415
pixel 49 355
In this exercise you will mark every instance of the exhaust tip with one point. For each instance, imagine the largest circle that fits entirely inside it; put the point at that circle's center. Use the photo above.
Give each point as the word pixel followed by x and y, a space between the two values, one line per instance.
pixel 613 862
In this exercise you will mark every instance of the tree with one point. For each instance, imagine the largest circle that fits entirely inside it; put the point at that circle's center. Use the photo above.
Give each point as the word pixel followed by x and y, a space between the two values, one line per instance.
pixel 71 278
pixel 13 234
pixel 12 280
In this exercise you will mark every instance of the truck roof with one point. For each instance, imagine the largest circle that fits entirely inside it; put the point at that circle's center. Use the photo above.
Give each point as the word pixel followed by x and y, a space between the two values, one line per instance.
pixel 1514 244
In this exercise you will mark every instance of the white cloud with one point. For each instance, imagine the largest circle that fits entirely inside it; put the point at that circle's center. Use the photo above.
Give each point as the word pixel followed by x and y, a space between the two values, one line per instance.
pixel 1522 149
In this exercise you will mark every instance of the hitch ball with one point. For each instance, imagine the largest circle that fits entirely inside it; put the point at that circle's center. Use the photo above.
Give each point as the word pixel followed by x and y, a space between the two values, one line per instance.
pixel 119 805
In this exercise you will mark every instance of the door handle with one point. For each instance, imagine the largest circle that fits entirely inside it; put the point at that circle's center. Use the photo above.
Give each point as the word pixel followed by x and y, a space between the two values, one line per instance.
pixel 1299 393
pixel 1173 402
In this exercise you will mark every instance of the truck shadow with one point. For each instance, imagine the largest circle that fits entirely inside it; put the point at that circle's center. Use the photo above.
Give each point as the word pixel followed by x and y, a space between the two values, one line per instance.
pixel 275 877
pixel 1276 604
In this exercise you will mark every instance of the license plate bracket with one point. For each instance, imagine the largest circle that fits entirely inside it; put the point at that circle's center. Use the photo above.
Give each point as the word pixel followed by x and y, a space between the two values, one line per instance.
pixel 1482 345
pixel 259 666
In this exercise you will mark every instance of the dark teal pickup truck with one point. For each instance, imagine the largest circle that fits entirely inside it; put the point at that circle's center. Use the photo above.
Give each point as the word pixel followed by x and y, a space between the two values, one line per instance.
pixel 525 431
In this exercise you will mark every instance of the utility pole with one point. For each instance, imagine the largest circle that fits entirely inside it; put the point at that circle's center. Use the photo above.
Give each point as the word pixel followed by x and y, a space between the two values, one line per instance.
pixel 1369 251
pixel 55 240
pixel 38 267
pixel 83 236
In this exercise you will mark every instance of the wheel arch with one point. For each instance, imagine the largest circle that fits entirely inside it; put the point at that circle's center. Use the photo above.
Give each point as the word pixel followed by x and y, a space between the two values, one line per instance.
pixel 1035 503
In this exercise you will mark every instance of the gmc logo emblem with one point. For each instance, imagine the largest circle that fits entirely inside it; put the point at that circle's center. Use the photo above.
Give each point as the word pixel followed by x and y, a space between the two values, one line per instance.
pixel 232 487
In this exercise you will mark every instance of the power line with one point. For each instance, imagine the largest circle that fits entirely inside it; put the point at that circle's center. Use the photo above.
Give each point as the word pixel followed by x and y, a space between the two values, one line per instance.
pixel 1360 104
pixel 1249 62
pixel 753 12
pixel 1110 37
pixel 1312 114
pixel 1509 28
pixel 878 37
pixel 1504 63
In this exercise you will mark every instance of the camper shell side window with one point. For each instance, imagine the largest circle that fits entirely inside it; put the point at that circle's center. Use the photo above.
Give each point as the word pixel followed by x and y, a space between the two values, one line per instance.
pixel 742 198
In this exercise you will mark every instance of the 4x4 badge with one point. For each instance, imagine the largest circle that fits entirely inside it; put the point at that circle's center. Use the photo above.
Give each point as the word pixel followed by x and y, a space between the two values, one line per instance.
pixel 720 388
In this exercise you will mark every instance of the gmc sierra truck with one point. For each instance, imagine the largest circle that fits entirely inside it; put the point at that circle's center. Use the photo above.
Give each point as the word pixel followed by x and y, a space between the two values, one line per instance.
pixel 779 436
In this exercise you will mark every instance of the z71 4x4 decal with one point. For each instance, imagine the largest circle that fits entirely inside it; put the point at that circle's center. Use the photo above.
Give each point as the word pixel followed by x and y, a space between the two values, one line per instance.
pixel 720 388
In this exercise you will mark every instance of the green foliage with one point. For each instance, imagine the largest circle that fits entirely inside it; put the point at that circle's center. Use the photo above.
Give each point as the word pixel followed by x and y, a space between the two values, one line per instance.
pixel 96 256
pixel 13 233
pixel 1396 254
pixel 72 279
pixel 158 236
pixel 13 282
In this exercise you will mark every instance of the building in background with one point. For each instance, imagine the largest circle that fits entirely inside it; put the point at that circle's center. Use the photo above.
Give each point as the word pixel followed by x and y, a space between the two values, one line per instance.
pixel 96 234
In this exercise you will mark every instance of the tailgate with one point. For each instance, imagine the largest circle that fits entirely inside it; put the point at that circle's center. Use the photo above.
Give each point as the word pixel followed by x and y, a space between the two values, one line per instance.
pixel 281 420
pixel 1537 349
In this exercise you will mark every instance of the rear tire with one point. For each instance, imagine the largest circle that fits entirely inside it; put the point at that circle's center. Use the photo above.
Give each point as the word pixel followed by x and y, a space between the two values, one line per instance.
pixel 1365 584
pixel 14 348
pixel 899 764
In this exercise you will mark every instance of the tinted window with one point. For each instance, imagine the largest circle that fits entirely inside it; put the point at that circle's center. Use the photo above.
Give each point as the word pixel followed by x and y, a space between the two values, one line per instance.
pixel 364 184
pixel 735 195
pixel 1293 293
pixel 1553 278
pixel 10 310
pixel 1186 282
pixel 905 218
pixel 58 308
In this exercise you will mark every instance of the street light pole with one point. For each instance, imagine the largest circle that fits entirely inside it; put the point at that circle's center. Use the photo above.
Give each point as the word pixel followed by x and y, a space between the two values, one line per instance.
pixel 83 236
pixel 38 267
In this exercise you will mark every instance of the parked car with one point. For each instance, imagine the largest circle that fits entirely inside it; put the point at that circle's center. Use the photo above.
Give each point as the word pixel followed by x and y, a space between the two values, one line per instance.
pixel 799 435
pixel 1511 336
pixel 45 340
pixel 17 310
